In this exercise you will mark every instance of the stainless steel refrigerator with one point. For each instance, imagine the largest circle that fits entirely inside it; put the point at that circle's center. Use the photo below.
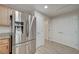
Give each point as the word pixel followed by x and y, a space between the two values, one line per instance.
pixel 23 33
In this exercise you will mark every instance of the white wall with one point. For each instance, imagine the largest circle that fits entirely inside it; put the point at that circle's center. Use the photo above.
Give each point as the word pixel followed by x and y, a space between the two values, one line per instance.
pixel 40 29
pixel 64 29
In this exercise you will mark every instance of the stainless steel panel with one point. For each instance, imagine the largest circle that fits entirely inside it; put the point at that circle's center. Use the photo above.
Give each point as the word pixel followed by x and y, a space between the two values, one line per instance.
pixel 31 47
pixel 24 43
pixel 19 49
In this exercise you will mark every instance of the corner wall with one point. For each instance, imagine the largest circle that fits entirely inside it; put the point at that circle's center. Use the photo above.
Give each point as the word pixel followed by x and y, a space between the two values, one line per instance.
pixel 64 29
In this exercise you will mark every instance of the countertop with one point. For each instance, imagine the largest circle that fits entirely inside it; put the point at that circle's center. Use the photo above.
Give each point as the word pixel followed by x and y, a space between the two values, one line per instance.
pixel 4 35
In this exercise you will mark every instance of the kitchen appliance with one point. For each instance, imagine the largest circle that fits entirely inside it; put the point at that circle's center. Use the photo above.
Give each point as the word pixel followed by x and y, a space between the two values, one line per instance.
pixel 24 33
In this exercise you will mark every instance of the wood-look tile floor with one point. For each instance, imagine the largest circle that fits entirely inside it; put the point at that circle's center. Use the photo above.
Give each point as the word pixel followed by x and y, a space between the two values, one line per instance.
pixel 56 48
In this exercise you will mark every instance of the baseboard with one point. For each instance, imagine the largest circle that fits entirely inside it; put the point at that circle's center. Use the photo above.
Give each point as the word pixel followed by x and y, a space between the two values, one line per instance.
pixel 62 44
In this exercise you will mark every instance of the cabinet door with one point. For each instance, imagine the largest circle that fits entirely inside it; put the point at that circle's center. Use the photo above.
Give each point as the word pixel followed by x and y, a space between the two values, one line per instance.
pixel 4 48
pixel 4 16
pixel 1 14
pixel 4 41
pixel 4 45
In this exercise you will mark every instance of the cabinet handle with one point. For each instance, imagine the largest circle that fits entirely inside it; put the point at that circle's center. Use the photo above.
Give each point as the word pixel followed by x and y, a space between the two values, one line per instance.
pixel 7 47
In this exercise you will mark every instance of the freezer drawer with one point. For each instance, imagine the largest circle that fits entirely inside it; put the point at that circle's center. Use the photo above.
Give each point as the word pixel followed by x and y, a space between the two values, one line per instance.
pixel 31 47
pixel 25 48
pixel 19 49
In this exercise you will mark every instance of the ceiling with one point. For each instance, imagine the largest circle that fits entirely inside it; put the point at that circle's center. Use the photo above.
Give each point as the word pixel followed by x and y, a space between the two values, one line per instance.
pixel 51 11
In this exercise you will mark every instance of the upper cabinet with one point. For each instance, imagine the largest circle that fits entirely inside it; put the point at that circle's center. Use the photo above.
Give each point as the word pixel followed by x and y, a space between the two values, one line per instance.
pixel 5 16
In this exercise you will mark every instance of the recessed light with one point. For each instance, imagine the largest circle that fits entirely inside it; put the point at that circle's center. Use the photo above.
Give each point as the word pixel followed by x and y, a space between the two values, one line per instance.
pixel 45 6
